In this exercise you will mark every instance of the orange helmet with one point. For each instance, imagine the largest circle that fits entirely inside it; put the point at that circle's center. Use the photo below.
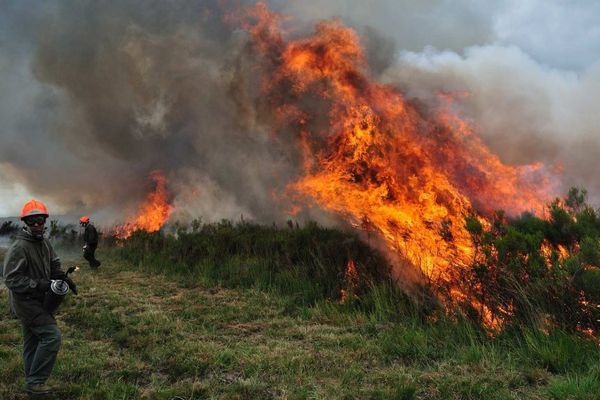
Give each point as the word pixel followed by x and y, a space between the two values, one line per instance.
pixel 34 207
pixel 84 220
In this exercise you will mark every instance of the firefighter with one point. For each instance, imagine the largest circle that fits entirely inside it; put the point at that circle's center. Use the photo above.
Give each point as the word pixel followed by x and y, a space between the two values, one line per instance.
pixel 29 266
pixel 90 238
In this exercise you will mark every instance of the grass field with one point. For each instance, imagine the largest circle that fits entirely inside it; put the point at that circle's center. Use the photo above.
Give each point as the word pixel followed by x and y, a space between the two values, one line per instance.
pixel 134 334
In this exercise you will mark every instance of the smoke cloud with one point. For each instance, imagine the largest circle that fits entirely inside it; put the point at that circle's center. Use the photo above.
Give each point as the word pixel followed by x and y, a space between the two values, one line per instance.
pixel 102 93
pixel 109 92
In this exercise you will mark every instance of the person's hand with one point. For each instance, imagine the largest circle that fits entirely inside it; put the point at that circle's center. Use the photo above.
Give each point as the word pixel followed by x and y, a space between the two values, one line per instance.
pixel 60 275
pixel 43 285
pixel 72 285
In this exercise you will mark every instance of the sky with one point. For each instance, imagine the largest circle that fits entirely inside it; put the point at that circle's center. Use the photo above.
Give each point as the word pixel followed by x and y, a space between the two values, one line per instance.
pixel 97 94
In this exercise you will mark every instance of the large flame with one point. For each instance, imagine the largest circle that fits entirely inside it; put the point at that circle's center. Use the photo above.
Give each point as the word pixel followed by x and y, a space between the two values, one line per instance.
pixel 153 213
pixel 405 172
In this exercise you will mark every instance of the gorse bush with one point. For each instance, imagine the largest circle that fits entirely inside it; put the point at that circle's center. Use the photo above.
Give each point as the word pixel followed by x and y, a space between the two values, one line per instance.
pixel 539 271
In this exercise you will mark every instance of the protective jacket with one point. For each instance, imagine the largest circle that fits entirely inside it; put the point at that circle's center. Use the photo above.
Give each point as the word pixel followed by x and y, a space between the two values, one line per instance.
pixel 28 261
pixel 90 235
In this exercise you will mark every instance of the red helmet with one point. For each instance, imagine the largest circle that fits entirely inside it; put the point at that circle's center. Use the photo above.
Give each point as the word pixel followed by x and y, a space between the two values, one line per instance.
pixel 84 220
pixel 34 207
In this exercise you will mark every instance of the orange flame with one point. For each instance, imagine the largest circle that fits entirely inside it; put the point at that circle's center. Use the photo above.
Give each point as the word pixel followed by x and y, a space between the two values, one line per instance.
pixel 376 159
pixel 153 214
pixel 350 282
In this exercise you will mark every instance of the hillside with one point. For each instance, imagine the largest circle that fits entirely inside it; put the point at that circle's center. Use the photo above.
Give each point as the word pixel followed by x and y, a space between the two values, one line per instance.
pixel 131 334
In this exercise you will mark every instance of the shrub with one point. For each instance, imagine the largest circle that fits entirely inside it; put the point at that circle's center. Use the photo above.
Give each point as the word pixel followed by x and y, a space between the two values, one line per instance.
pixel 539 271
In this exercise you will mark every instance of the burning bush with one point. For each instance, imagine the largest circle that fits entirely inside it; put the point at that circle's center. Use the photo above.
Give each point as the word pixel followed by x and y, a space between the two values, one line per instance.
pixel 408 172
pixel 153 213
pixel 535 270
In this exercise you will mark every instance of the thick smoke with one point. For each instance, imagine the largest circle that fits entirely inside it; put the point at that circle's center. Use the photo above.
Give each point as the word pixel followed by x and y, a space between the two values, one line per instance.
pixel 122 89
pixel 102 93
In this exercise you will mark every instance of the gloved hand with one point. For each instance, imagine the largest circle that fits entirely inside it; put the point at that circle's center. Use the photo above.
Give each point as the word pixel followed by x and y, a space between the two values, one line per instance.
pixel 59 275
pixel 71 284
pixel 43 285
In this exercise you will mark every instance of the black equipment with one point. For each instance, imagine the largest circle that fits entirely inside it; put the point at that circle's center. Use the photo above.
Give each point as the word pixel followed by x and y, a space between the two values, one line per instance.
pixel 58 290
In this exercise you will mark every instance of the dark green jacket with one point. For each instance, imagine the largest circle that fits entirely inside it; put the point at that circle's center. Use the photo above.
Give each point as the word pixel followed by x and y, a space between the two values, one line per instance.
pixel 27 261
pixel 90 235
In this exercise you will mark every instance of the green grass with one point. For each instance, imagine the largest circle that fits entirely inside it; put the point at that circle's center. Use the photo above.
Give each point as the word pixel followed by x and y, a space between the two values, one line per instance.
pixel 135 333
pixel 307 264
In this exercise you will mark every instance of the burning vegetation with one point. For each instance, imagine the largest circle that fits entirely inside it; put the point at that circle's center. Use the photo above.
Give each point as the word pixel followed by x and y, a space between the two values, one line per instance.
pixel 153 213
pixel 372 156
pixel 421 181
pixel 409 174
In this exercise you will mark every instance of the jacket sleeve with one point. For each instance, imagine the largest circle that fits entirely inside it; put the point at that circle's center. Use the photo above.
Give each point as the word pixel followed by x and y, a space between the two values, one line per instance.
pixel 15 272
pixel 56 271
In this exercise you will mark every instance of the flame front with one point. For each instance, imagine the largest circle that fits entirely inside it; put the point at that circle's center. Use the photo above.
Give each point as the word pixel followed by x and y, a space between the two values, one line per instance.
pixel 373 157
pixel 153 214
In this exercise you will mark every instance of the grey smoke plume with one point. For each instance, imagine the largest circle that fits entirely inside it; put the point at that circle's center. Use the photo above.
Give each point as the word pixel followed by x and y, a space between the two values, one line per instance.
pixel 102 93
pixel 121 89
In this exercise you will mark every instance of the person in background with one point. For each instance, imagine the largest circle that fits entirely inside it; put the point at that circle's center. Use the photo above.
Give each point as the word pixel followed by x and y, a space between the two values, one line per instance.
pixel 90 239
pixel 29 266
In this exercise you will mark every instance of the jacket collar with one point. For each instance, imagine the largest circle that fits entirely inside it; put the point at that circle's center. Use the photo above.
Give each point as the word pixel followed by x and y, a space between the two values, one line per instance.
pixel 26 234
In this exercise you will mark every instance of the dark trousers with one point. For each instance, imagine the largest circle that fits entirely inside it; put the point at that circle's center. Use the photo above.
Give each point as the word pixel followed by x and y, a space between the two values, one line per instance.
pixel 90 255
pixel 40 348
